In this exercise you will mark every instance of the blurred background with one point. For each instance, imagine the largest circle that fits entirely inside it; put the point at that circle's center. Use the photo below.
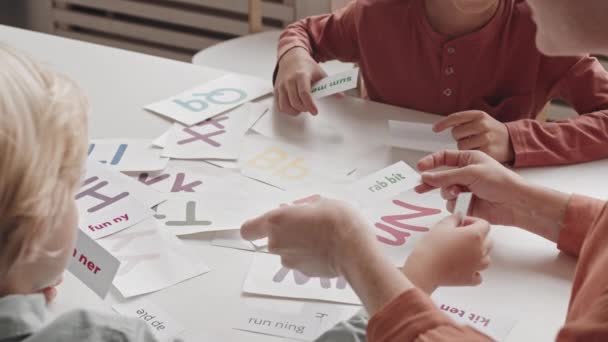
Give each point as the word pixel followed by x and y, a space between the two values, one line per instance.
pixel 209 32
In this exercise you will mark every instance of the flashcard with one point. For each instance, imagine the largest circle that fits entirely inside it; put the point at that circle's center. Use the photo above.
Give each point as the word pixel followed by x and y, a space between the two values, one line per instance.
pixel 386 183
pixel 232 239
pixel 162 325
pixel 217 138
pixel 152 259
pixel 93 265
pixel 463 203
pixel 212 98
pixel 306 325
pixel 127 154
pixel 106 204
pixel 286 166
pixel 174 179
pixel 334 84
pixel 212 210
pixel 268 277
pixel 493 324
pixel 161 141
pixel 419 136
pixel 401 221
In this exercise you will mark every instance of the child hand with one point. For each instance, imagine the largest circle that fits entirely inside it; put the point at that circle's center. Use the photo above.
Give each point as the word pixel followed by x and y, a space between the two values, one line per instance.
pixel 450 255
pixel 477 130
pixel 297 72
pixel 495 187
pixel 317 239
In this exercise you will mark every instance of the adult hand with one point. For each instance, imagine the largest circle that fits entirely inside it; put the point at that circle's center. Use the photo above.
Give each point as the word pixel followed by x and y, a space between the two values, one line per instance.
pixel 297 72
pixel 495 187
pixel 477 130
pixel 453 253
pixel 318 239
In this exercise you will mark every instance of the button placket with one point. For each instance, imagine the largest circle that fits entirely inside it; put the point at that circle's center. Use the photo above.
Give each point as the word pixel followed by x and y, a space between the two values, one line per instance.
pixel 448 80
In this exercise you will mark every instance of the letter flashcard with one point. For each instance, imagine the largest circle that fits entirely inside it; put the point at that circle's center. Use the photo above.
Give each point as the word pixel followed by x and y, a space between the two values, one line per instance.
pixel 93 265
pixel 127 155
pixel 151 259
pixel 217 138
pixel 212 98
pixel 268 277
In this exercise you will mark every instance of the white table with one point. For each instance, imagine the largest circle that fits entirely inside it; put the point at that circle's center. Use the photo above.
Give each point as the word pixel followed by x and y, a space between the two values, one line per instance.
pixel 528 274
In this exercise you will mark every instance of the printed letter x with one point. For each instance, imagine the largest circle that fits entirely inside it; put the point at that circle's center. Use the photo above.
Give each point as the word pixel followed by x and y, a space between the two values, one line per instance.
pixel 205 137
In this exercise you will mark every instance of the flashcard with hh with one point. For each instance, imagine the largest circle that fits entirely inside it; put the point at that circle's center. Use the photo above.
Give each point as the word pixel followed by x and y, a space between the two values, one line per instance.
pixel 105 204
pixel 334 84
pixel 306 325
pixel 151 258
pixel 386 183
pixel 162 325
pixel 401 221
pixel 286 166
pixel 268 277
pixel 212 98
pixel 493 324
pixel 93 265
pixel 127 154
pixel 419 136
pixel 217 138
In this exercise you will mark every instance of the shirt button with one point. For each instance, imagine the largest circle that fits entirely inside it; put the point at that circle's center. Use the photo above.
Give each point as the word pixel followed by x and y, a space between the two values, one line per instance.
pixel 449 71
pixel 451 50
pixel 447 92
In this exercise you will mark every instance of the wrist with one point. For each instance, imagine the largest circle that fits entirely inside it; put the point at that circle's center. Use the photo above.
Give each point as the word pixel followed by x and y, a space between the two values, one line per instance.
pixel 422 277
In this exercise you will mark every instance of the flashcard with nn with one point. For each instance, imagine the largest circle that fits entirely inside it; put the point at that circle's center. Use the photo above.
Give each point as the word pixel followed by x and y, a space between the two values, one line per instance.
pixel 212 98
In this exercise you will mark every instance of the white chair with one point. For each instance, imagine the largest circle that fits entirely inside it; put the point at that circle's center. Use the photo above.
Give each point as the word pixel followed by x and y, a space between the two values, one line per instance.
pixel 254 54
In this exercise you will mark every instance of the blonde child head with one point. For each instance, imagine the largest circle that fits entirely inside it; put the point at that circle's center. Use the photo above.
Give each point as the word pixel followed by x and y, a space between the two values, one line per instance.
pixel 43 135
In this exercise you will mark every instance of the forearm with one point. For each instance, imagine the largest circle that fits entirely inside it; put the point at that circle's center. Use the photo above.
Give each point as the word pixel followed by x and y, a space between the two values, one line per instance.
pixel 373 277
pixel 539 210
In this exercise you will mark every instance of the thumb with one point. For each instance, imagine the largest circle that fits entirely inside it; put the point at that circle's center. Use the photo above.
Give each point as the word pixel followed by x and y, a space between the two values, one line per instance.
pixel 318 74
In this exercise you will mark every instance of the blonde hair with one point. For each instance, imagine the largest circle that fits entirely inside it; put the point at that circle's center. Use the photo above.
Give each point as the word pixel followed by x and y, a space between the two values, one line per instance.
pixel 43 141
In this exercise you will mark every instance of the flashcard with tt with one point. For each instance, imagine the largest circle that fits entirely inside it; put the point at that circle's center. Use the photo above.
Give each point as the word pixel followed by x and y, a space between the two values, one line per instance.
pixel 151 258
pixel 268 277
pixel 212 98
pixel 494 324
pixel 386 183
pixel 286 166
pixel 93 265
pixel 162 325
pixel 217 138
pixel 419 136
pixel 401 221
pixel 105 205
pixel 127 154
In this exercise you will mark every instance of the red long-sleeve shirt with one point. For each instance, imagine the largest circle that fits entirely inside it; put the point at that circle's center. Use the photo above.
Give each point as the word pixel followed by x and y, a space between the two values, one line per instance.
pixel 413 317
pixel 497 69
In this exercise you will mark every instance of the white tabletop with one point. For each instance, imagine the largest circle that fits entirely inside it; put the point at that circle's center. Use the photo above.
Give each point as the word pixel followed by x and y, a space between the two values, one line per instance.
pixel 528 277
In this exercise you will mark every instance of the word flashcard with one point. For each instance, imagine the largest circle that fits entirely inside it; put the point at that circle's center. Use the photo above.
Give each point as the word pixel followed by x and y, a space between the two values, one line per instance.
pixel 127 155
pixel 163 326
pixel 212 98
pixel 151 259
pixel 105 204
pixel 400 222
pixel 267 276
pixel 493 324
pixel 386 183
pixel 306 325
pixel 334 84
pixel 217 138
pixel 93 265
pixel 419 136
pixel 463 203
